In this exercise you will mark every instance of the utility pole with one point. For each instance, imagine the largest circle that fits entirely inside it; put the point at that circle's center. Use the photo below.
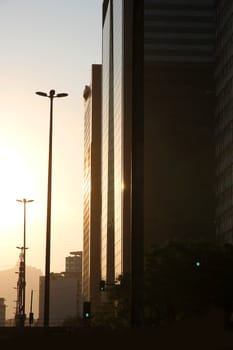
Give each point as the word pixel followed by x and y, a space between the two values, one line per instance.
pixel 22 272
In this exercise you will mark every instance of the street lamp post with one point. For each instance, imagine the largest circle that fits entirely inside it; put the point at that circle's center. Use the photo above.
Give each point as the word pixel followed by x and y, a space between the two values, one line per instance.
pixel 51 96
pixel 24 201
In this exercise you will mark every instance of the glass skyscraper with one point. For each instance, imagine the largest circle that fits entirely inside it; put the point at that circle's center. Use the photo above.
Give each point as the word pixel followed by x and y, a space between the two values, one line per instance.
pixel 224 121
pixel 112 141
pixel 157 127
pixel 92 188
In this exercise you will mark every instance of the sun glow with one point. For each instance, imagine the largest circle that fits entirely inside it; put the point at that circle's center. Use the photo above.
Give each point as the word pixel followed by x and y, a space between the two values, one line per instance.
pixel 16 182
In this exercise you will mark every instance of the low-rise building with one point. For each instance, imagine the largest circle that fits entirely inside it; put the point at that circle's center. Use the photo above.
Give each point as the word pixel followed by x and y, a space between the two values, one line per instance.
pixel 2 312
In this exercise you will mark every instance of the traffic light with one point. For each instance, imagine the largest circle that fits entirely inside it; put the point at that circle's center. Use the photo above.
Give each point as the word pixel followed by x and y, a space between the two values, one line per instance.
pixel 102 286
pixel 197 263
pixel 31 318
pixel 86 310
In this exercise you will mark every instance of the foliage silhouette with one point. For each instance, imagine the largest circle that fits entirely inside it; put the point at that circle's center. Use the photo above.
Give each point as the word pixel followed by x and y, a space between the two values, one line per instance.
pixel 184 279
pixel 114 312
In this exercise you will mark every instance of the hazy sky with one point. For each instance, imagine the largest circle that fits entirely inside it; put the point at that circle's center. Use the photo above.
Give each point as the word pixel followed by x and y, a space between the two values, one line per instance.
pixel 46 44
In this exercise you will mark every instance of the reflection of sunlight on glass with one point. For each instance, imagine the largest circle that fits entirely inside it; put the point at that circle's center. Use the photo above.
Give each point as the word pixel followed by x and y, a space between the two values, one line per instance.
pixel 87 187
pixel 16 182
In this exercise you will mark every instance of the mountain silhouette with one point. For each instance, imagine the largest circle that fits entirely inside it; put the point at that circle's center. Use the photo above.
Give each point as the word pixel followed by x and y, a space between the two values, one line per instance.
pixel 8 283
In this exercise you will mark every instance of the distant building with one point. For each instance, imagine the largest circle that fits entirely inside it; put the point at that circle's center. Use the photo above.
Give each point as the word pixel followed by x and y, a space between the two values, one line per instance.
pixel 92 188
pixel 2 312
pixel 74 263
pixel 65 292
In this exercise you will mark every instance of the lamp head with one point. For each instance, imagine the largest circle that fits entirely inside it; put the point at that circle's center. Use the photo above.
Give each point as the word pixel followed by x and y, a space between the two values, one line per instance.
pixel 62 94
pixel 41 93
pixel 51 93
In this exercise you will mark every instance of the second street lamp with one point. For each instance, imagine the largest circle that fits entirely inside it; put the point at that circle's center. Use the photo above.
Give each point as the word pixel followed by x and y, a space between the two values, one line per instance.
pixel 24 201
pixel 52 94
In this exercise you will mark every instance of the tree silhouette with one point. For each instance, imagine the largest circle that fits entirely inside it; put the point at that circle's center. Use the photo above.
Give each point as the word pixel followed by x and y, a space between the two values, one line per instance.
pixel 115 311
pixel 184 279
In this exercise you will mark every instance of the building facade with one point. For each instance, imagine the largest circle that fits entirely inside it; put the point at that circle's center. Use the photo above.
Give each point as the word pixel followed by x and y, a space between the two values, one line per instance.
pixel 179 97
pixel 224 120
pixel 74 263
pixel 157 129
pixel 92 188
pixel 116 145
pixel 65 296
pixel 2 312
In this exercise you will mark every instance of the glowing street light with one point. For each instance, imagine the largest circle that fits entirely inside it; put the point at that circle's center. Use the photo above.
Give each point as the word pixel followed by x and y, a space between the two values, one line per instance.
pixel 51 96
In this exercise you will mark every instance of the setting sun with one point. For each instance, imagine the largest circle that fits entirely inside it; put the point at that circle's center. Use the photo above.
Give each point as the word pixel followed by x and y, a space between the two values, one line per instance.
pixel 16 182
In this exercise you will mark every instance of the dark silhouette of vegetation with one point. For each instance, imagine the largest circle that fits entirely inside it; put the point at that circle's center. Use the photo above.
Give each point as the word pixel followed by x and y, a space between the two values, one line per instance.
pixel 73 322
pixel 182 280
pixel 114 312
pixel 186 279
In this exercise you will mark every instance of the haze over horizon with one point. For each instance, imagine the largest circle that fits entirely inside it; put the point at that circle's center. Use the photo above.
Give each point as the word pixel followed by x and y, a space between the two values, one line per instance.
pixel 8 284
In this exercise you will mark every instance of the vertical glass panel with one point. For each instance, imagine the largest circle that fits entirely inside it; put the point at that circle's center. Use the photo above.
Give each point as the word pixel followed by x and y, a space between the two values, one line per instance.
pixel 118 131
pixel 105 117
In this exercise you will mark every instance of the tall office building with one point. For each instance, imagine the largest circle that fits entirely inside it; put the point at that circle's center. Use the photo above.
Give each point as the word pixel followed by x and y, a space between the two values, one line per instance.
pixel 116 140
pixel 92 188
pixel 157 128
pixel 179 95
pixel 224 120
